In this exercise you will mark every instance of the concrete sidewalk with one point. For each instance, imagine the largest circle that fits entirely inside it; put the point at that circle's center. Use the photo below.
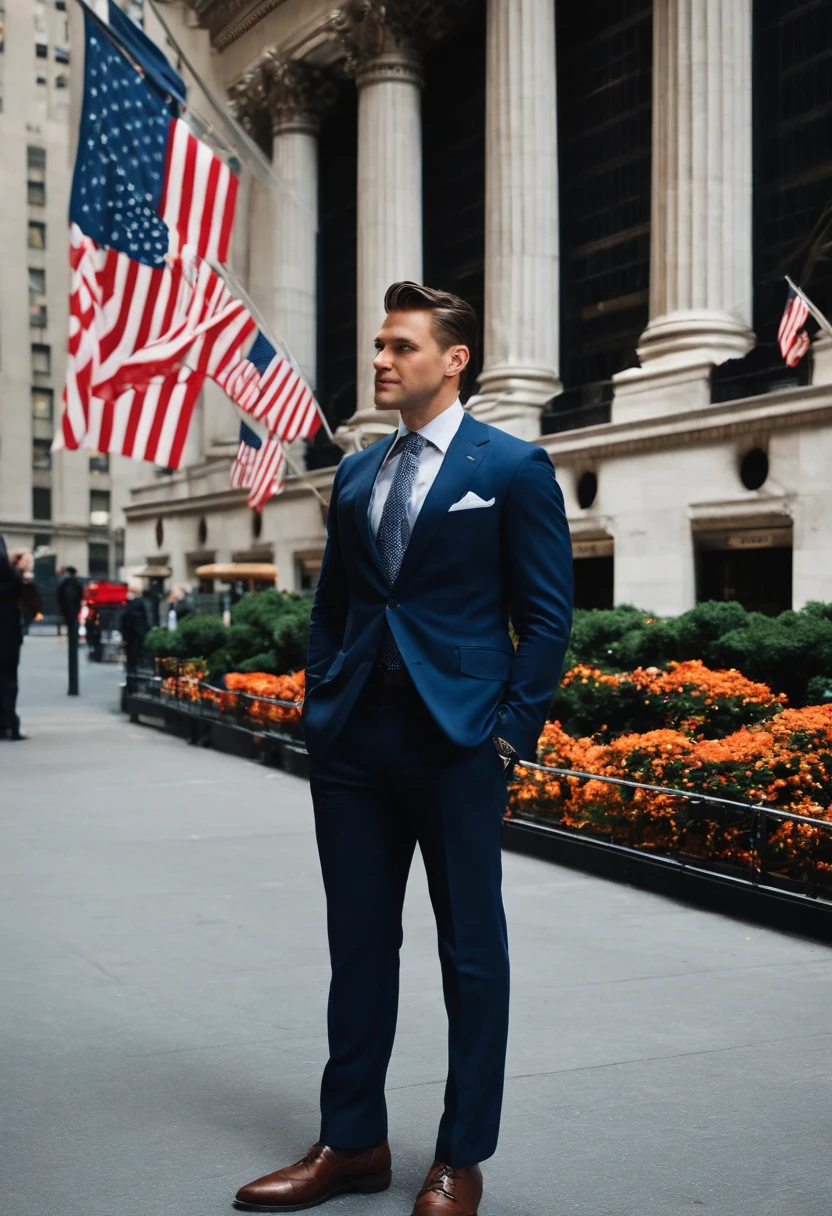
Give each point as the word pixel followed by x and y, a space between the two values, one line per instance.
pixel 164 974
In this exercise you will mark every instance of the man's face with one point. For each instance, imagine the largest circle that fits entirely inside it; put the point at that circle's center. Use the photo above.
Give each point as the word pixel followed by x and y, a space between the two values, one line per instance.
pixel 411 367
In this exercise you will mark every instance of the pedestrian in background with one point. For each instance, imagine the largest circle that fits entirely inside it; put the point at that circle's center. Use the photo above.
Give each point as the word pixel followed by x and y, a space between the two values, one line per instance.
pixel 70 595
pixel 135 624
pixel 19 602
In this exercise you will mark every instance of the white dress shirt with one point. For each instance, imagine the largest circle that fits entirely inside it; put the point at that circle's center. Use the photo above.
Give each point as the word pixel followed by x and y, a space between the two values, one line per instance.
pixel 439 432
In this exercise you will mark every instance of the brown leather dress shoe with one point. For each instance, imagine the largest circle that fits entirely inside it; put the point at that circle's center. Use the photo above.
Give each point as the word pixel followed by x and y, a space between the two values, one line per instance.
pixel 323 1172
pixel 447 1191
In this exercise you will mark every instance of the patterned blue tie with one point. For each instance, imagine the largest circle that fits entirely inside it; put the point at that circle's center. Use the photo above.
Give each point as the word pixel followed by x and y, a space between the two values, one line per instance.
pixel 394 530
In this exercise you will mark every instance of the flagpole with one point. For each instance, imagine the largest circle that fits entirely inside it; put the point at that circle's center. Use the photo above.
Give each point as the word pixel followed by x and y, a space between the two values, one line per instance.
pixel 300 474
pixel 816 313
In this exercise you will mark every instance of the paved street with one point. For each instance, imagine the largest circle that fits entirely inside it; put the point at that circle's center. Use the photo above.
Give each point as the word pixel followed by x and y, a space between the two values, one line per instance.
pixel 164 974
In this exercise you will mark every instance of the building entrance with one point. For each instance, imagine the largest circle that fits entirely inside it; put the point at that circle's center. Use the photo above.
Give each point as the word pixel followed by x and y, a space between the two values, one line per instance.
pixel 752 568
pixel 593 568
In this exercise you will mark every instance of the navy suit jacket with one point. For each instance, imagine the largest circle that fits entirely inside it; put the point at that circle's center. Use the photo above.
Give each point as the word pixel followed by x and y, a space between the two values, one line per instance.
pixel 464 575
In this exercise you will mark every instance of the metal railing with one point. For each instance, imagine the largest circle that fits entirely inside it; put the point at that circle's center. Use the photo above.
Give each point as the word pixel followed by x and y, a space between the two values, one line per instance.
pixel 169 682
pixel 750 844
pixel 758 845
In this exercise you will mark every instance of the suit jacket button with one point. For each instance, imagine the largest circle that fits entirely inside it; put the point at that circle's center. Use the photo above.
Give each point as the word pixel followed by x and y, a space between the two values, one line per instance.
pixel 392 603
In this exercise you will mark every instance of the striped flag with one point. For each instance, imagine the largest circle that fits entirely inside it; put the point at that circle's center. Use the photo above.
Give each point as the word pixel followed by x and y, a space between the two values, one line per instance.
pixel 116 304
pixel 793 339
pixel 207 324
pixel 259 467
pixel 268 386
pixel 143 187
pixel 198 196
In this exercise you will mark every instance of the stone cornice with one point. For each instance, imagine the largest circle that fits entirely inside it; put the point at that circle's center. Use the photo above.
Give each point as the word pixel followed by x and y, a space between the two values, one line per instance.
pixel 361 27
pixel 53 528
pixel 151 505
pixel 223 19
pixel 796 407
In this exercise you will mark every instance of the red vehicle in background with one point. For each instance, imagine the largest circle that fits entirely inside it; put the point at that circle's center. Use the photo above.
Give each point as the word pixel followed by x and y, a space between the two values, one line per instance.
pixel 101 618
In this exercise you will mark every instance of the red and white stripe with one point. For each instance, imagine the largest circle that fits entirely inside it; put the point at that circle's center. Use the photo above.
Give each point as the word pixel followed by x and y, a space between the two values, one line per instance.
pixel 280 398
pixel 268 473
pixel 793 339
pixel 208 328
pixel 199 194
pixel 119 307
pixel 242 469
pixel 115 305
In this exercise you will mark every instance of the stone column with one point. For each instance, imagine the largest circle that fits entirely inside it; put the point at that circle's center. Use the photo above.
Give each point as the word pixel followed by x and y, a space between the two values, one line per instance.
pixel 294 94
pixel 520 366
pixel 701 280
pixel 387 73
pixel 297 95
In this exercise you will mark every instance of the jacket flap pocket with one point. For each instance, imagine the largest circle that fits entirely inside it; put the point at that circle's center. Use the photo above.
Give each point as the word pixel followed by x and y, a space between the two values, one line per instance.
pixel 485 662
pixel 337 664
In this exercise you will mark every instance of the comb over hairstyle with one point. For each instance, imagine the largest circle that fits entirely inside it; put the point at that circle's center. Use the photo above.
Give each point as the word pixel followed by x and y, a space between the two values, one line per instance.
pixel 454 320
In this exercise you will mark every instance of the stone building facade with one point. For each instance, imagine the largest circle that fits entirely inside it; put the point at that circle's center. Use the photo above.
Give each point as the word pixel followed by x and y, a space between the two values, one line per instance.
pixel 618 187
pixel 67 503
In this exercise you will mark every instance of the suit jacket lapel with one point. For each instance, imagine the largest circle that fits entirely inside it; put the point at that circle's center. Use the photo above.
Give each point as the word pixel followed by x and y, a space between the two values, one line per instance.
pixel 462 459
pixel 367 473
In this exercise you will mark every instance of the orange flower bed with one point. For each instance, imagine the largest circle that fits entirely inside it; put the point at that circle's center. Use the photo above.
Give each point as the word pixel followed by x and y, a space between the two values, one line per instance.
pixel 266 689
pixel 688 696
pixel 781 758
pixel 785 763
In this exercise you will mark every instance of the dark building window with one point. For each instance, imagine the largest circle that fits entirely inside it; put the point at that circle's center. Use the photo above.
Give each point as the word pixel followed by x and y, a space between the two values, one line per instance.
pixel 453 120
pixel 41 454
pixel 604 75
pixel 41 502
pixel 594 579
pixel 36 193
pixel 100 508
pixel 336 271
pixel 792 160
pixel 99 463
pixel 98 559
pixel 37 235
pixel 759 579
pixel 35 157
pixel 42 400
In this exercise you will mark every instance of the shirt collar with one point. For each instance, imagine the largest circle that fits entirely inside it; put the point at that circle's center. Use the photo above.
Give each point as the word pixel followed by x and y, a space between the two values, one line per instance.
pixel 441 429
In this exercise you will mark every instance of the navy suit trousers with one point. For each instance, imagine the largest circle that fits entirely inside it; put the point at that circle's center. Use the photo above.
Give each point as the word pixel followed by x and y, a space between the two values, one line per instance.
pixel 391 780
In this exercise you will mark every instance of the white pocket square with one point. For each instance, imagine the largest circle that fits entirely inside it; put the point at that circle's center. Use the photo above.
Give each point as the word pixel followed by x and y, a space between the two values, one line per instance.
pixel 470 501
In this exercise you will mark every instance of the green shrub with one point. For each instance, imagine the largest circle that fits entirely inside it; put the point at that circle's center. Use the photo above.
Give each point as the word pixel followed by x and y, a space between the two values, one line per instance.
pixel 788 652
pixel 592 708
pixel 269 632
pixel 819 690
pixel 697 630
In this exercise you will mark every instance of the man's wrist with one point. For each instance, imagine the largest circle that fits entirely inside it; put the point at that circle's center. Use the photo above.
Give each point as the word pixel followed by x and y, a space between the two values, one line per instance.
pixel 506 753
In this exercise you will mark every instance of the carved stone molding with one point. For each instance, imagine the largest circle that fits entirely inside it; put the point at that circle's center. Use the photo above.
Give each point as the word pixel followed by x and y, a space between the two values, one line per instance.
pixel 294 94
pixel 383 39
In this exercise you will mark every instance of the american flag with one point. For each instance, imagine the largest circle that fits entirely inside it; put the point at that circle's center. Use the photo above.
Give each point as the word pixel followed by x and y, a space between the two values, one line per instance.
pixel 268 386
pixel 793 339
pixel 143 187
pixel 207 324
pixel 259 467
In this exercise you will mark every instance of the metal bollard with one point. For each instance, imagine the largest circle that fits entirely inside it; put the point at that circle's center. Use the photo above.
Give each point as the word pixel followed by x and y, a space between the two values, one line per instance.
pixel 72 651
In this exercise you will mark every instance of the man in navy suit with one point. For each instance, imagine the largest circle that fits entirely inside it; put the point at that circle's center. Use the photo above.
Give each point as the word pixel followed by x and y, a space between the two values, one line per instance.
pixel 417 705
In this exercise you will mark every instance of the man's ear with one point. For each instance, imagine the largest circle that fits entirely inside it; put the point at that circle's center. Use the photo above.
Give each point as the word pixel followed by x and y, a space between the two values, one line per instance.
pixel 458 357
